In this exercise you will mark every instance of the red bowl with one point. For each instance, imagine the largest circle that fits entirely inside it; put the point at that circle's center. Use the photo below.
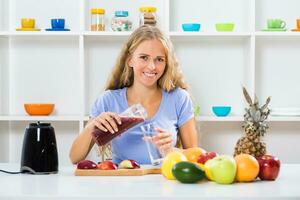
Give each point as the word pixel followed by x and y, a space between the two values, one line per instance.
pixel 39 109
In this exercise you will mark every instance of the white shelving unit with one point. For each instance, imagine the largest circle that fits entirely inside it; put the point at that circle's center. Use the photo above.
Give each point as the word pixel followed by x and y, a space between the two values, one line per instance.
pixel 71 68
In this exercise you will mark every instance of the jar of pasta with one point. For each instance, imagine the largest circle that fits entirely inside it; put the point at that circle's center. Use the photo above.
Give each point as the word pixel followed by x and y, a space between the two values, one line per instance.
pixel 148 16
pixel 97 19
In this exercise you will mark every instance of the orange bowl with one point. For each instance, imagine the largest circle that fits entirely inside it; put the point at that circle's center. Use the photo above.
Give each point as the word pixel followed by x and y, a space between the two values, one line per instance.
pixel 39 109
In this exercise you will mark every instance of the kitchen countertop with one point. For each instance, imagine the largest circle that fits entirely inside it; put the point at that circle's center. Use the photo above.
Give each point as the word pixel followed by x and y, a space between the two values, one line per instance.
pixel 65 185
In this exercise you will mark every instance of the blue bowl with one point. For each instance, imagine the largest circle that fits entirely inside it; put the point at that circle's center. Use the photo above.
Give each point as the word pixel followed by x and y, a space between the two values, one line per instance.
pixel 221 111
pixel 191 27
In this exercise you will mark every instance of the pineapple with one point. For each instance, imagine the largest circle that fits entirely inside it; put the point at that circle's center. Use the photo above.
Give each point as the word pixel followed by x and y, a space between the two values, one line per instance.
pixel 255 127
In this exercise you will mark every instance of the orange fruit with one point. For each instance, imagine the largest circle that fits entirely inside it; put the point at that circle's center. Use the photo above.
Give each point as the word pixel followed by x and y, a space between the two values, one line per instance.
pixel 247 168
pixel 192 154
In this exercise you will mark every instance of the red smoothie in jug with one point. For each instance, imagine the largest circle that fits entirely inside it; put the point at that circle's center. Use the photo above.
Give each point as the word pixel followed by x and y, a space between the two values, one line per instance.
pixel 101 137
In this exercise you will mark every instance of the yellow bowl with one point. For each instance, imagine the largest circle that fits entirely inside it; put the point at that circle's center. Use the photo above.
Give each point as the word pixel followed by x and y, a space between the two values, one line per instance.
pixel 39 109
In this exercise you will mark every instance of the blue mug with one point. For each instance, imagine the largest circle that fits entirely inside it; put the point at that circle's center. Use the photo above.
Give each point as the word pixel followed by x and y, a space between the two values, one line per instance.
pixel 58 23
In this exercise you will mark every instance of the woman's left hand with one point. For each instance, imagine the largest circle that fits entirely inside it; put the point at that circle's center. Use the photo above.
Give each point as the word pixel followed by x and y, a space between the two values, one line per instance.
pixel 163 140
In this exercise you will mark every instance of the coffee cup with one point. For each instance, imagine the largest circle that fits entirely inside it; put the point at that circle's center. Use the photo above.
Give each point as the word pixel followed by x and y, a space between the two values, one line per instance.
pixel 276 23
pixel 58 23
pixel 28 23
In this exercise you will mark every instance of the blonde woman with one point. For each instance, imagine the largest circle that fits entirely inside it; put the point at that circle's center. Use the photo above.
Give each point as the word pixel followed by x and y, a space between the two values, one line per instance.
pixel 146 72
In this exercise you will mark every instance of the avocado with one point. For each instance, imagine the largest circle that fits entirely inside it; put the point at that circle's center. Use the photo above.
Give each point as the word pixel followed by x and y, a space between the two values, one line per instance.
pixel 187 172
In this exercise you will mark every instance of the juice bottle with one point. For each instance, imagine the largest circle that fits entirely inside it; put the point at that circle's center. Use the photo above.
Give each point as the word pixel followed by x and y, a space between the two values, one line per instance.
pixel 131 117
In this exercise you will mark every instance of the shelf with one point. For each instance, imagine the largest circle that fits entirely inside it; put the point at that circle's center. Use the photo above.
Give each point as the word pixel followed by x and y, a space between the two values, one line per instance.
pixel 277 34
pixel 208 34
pixel 284 119
pixel 41 118
pixel 65 33
pixel 201 119
pixel 172 34
pixel 43 33
pixel 106 33
pixel 241 119
pixel 86 118
pixel 219 119
pixel 4 33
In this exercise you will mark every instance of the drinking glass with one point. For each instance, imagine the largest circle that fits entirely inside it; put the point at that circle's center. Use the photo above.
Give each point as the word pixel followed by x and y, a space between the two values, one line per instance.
pixel 149 131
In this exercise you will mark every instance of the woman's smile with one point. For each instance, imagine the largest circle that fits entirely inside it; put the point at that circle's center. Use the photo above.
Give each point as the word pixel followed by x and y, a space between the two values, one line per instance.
pixel 150 75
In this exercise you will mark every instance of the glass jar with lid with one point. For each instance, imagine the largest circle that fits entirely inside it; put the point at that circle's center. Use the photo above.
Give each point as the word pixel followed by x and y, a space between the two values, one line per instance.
pixel 121 22
pixel 148 15
pixel 97 19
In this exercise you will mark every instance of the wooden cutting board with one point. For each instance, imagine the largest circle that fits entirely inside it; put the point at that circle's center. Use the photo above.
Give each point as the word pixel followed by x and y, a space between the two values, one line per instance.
pixel 117 172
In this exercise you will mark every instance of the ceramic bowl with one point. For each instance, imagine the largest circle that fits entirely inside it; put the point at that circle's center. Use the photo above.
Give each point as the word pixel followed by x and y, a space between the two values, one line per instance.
pixel 191 27
pixel 221 111
pixel 227 27
pixel 39 109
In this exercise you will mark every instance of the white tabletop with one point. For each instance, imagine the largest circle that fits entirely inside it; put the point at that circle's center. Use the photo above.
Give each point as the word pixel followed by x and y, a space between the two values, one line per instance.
pixel 65 185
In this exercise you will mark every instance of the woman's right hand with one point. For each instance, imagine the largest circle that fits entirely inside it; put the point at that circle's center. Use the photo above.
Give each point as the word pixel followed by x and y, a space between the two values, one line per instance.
pixel 107 121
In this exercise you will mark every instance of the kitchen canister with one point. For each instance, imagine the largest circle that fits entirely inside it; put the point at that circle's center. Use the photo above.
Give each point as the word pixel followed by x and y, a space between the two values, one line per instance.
pixel 97 19
pixel 120 21
pixel 148 15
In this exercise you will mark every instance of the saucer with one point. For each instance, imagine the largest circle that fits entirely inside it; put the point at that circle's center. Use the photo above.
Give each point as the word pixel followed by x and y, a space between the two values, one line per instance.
pixel 28 29
pixel 57 29
pixel 274 29
pixel 295 30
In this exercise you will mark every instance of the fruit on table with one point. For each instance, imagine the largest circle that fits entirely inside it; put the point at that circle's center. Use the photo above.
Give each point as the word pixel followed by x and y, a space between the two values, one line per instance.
pixel 205 169
pixel 107 165
pixel 169 161
pixel 86 164
pixel 192 154
pixel 222 168
pixel 269 167
pixel 187 172
pixel 255 126
pixel 129 164
pixel 206 156
pixel 247 168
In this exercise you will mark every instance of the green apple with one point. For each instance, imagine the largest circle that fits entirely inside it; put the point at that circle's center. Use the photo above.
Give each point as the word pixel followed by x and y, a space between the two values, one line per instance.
pixel 222 169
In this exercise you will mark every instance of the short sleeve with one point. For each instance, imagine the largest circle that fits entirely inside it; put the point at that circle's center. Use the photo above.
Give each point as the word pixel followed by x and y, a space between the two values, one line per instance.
pixel 184 107
pixel 99 106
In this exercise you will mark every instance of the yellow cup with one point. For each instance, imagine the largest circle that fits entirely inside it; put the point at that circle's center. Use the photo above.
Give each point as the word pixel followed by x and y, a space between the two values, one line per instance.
pixel 27 22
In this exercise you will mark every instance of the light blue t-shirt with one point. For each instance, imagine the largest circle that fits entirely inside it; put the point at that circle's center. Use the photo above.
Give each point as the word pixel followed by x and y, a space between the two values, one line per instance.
pixel 175 109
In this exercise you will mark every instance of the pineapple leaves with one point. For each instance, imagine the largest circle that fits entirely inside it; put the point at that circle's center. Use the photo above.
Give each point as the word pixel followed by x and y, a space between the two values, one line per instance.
pixel 256 116
pixel 247 96
pixel 256 102
pixel 266 104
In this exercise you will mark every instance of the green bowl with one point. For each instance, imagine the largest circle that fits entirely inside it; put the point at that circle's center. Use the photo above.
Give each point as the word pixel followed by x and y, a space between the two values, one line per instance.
pixel 227 27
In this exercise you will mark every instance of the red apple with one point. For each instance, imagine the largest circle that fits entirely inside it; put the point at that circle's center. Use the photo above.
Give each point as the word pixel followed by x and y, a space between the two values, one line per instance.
pixel 206 156
pixel 269 167
pixel 135 164
pixel 107 165
pixel 86 164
